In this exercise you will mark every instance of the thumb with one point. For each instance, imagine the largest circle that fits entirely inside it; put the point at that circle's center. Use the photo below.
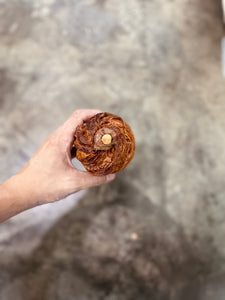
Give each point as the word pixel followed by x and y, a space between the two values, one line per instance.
pixel 85 180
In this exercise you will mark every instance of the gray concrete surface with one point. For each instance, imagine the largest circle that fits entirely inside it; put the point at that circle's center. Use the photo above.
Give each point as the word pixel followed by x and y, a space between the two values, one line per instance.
pixel 158 231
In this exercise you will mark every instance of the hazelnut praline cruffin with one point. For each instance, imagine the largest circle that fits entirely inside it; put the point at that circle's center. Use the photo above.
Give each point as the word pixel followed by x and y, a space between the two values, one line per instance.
pixel 104 144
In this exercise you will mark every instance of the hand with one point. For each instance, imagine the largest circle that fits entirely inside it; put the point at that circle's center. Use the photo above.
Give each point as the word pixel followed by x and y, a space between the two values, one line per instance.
pixel 50 175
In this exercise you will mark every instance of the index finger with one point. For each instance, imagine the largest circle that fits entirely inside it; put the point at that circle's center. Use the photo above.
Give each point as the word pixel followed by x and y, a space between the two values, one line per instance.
pixel 77 118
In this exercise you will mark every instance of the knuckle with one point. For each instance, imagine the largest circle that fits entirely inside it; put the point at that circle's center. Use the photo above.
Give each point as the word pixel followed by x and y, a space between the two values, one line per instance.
pixel 101 180
pixel 76 112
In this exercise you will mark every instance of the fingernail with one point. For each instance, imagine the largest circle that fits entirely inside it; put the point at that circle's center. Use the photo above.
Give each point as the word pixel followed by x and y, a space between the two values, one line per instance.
pixel 110 177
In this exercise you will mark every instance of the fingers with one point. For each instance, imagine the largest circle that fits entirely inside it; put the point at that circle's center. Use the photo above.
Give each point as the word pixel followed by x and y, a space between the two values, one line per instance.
pixel 85 180
pixel 77 118
pixel 82 115
pixel 65 133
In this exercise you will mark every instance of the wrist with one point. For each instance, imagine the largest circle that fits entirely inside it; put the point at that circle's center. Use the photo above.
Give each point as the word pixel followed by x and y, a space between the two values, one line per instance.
pixel 13 198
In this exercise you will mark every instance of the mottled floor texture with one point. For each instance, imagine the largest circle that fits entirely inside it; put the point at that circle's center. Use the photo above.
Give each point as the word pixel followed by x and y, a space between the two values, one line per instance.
pixel 158 231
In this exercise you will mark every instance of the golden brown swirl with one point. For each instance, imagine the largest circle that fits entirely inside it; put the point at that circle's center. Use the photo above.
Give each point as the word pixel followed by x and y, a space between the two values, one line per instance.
pixel 105 144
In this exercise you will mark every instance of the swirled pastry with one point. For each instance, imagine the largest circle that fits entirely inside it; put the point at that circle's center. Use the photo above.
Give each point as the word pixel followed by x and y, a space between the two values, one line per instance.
pixel 105 144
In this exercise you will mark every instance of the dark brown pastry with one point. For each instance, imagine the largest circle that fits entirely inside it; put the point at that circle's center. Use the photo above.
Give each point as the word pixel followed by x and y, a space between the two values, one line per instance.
pixel 105 144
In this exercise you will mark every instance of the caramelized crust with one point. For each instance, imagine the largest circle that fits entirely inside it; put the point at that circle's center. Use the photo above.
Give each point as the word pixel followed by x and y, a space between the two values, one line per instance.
pixel 101 158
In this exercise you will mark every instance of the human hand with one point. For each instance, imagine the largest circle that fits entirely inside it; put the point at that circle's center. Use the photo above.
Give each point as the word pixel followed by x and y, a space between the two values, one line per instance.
pixel 50 175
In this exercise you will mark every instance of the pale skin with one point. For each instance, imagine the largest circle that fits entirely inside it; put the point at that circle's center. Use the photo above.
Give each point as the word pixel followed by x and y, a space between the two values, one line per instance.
pixel 49 175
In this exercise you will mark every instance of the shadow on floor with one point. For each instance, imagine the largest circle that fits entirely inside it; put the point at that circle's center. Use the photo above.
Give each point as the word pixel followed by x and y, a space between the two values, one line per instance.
pixel 123 247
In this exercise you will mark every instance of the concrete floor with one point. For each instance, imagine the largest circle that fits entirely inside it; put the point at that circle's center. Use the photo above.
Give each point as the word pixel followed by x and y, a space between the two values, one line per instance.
pixel 157 232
